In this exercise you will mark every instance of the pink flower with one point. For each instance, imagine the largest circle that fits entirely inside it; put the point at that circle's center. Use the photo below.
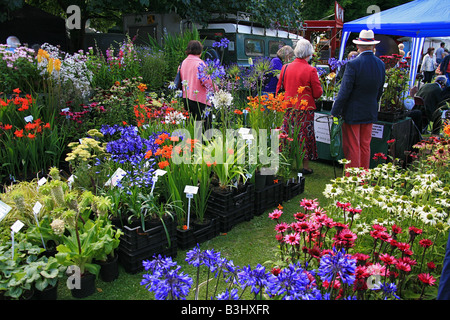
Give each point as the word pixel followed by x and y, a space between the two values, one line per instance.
pixel 292 238
pixel 425 243
pixel 377 269
pixel 426 278
pixel 309 204
pixel 275 214
pixel 388 259
pixel 282 227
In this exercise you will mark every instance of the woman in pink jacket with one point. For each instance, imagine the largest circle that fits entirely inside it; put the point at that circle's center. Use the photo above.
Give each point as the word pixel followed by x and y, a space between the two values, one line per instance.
pixel 195 90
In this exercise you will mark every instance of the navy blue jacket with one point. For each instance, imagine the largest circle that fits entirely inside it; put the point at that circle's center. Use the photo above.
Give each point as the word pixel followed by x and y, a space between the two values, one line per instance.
pixel 360 90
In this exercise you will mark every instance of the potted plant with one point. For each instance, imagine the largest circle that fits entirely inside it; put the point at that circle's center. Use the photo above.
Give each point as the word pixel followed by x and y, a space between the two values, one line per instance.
pixel 15 280
pixel 44 275
pixel 391 103
pixel 105 249
pixel 78 248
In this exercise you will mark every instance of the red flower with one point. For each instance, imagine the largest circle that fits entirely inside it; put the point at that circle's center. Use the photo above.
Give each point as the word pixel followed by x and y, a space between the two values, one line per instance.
pixel 31 136
pixel 391 141
pixel 163 164
pixel 19 133
pixel 7 127
pixel 17 90
pixel 276 271
pixel 402 266
pixel 396 229
pixel 426 278
pixel 431 266
pixel 388 259
pixel 425 243
pixel 414 231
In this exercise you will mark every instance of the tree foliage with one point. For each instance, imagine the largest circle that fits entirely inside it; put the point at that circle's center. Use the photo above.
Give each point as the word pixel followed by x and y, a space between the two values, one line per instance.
pixel 353 9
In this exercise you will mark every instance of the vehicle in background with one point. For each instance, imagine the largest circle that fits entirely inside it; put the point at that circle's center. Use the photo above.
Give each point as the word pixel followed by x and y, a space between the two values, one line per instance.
pixel 245 41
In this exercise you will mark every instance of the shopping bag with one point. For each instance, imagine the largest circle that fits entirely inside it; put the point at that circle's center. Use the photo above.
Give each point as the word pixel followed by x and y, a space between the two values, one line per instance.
pixel 336 137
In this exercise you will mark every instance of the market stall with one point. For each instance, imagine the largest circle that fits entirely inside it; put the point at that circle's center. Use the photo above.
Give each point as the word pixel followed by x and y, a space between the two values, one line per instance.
pixel 417 19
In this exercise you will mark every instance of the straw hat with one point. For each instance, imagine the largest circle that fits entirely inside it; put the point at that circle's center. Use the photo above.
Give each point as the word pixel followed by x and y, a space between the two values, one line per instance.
pixel 366 37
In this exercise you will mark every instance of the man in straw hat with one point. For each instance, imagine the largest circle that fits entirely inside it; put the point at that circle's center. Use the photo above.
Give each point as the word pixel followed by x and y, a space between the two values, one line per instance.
pixel 357 100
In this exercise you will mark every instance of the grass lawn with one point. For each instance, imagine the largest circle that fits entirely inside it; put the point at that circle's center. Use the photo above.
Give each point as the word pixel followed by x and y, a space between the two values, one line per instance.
pixel 248 243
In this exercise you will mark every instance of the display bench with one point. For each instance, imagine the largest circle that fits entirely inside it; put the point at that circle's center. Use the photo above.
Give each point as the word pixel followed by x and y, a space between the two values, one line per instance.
pixel 403 131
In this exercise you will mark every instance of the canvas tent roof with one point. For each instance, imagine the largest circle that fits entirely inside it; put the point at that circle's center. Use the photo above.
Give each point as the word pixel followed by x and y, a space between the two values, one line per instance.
pixel 417 19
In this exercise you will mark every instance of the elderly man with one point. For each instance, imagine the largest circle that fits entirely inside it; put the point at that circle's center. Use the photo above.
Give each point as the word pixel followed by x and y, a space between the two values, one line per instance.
pixel 357 100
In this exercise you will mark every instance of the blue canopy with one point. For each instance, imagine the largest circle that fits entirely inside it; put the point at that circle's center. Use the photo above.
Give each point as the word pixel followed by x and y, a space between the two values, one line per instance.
pixel 417 19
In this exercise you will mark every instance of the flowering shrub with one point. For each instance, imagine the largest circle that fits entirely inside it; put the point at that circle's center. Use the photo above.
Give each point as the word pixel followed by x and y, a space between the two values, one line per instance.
pixel 69 75
pixel 18 69
pixel 119 100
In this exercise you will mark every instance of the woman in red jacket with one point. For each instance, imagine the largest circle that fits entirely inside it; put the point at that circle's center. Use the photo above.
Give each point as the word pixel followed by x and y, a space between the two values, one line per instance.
pixel 302 86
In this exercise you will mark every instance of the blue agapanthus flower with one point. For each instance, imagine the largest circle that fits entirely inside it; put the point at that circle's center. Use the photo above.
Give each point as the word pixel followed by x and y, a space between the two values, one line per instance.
pixel 389 290
pixel 223 43
pixel 168 284
pixel 256 278
pixel 292 283
pixel 211 70
pixel 337 264
pixel 229 295
pixel 128 148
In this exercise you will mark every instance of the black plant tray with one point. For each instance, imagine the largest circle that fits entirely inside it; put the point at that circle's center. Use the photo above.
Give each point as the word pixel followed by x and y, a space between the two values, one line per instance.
pixel 269 197
pixel 197 233
pixel 230 201
pixel 228 219
pixel 132 261
pixel 292 190
pixel 135 238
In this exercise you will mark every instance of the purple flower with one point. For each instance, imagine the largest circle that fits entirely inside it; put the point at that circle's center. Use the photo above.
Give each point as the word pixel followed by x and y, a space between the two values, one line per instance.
pixel 211 70
pixel 337 264
pixel 256 278
pixel 223 43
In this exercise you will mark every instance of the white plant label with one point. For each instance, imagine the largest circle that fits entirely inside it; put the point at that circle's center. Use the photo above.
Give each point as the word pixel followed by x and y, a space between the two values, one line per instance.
pixel 28 118
pixel 37 208
pixel 160 173
pixel 17 226
pixel 116 177
pixel 244 131
pixel 4 209
pixel 190 190
pixel 42 181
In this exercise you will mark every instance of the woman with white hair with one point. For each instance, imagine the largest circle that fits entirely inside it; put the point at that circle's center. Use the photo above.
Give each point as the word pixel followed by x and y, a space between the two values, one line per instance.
pixel 301 82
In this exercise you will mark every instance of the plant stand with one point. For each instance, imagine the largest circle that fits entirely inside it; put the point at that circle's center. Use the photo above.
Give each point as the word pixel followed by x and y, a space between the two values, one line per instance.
pixel 231 208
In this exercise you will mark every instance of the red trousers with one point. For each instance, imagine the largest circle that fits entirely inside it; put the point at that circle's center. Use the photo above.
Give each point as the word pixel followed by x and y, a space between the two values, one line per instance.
pixel 356 144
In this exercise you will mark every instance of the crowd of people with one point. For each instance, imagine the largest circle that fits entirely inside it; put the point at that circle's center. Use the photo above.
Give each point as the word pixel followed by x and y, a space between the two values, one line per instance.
pixel 357 102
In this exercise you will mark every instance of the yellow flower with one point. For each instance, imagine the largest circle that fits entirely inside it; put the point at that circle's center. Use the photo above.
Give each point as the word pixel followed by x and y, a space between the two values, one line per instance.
pixel 57 64
pixel 50 66
pixel 42 54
